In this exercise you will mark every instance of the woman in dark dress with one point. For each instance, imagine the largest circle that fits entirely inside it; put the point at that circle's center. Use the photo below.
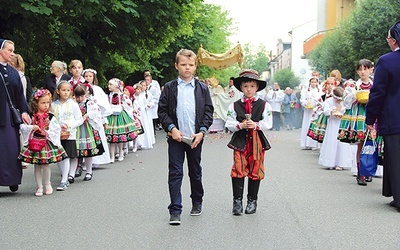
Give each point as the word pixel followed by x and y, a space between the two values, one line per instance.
pixel 10 167
pixel 57 70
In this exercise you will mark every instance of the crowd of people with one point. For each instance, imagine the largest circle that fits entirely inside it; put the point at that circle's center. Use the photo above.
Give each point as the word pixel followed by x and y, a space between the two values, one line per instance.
pixel 71 121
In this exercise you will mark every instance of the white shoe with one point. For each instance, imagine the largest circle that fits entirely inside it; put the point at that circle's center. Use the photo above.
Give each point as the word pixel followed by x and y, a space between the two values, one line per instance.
pixel 120 158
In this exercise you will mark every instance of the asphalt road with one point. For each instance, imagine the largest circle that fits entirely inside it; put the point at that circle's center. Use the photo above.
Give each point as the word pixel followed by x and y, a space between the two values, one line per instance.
pixel 300 206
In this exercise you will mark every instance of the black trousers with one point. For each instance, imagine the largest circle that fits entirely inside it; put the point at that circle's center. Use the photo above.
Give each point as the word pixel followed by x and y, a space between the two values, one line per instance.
pixel 176 157
pixel 391 168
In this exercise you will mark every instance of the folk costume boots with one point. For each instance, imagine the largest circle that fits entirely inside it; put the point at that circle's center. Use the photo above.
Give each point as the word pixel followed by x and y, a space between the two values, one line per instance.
pixel 237 187
pixel 252 196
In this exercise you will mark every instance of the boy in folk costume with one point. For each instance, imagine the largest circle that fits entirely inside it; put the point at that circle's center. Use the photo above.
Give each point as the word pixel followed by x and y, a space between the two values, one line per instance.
pixel 247 117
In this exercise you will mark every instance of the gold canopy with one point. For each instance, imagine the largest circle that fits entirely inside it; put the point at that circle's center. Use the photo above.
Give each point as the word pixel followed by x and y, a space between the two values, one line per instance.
pixel 221 61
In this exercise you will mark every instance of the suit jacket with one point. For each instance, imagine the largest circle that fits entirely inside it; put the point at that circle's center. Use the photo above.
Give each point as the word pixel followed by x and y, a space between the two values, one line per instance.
pixel 384 97
pixel 50 82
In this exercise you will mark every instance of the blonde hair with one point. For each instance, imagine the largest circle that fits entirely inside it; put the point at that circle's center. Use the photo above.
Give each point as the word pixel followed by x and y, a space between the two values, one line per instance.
pixel 75 62
pixel 18 62
pixel 187 53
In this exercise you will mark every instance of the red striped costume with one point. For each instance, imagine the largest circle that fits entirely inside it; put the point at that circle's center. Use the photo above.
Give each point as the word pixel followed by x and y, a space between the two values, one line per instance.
pixel 249 145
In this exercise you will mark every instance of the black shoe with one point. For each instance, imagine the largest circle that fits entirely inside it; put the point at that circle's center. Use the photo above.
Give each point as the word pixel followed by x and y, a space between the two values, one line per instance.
pixel 368 179
pixel 71 179
pixel 237 207
pixel 196 209
pixel 392 203
pixel 251 207
pixel 361 181
pixel 175 219
pixel 78 171
pixel 88 177
pixel 13 188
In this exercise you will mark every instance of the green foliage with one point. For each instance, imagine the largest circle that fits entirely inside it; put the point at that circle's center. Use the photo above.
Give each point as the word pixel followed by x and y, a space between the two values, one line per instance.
pixel 114 37
pixel 256 58
pixel 286 78
pixel 361 35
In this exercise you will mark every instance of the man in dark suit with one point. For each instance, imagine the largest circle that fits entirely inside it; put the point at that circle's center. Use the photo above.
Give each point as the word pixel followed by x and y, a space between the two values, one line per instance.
pixel 383 107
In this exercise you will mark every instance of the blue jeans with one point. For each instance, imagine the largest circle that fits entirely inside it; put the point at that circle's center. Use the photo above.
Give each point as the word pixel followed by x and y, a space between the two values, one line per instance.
pixel 176 157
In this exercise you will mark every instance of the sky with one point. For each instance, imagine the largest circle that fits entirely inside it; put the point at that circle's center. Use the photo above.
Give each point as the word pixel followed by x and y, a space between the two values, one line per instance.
pixel 265 21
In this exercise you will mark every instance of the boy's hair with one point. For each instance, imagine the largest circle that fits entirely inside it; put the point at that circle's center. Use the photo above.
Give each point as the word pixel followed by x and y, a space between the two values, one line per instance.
pixel 55 94
pixel 75 62
pixel 36 95
pixel 366 63
pixel 187 53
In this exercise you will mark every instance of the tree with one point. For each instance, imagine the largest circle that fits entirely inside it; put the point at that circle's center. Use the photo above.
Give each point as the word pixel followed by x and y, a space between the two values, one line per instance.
pixel 211 29
pixel 256 58
pixel 114 37
pixel 359 36
pixel 286 78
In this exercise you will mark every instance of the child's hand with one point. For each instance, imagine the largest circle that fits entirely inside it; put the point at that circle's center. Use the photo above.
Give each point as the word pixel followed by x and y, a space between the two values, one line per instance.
pixel 64 127
pixel 248 124
pixel 197 139
pixel 176 134
pixel 35 127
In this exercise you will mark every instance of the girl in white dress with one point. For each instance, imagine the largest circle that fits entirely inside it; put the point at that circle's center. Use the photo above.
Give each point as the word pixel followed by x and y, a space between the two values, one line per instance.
pixel 100 97
pixel 68 114
pixel 143 103
pixel 309 98
pixel 333 153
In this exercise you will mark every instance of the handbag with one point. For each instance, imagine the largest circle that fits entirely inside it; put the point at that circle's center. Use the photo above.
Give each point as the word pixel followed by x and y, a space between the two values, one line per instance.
pixel 15 114
pixel 368 158
pixel 36 142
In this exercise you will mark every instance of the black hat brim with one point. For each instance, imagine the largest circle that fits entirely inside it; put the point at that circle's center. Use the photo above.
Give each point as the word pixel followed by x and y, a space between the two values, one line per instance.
pixel 238 82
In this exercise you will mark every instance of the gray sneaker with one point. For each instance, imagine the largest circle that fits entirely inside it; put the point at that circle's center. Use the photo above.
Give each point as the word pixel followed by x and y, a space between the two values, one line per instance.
pixel 175 219
pixel 62 187
pixel 196 209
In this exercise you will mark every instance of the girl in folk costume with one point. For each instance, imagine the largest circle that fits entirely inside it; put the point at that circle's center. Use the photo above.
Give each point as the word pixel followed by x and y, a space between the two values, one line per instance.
pixel 247 117
pixel 129 100
pixel 42 144
pixel 349 88
pixel 101 99
pixel 309 98
pixel 333 153
pixel 143 104
pixel 68 114
pixel 319 120
pixel 75 68
pixel 88 141
pixel 352 127
pixel 121 128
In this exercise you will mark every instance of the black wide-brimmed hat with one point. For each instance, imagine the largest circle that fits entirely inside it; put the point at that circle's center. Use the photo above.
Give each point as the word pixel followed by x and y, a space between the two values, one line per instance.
pixel 247 75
